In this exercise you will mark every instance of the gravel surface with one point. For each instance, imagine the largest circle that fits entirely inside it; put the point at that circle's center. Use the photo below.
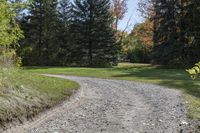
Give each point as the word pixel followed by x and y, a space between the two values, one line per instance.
pixel 115 106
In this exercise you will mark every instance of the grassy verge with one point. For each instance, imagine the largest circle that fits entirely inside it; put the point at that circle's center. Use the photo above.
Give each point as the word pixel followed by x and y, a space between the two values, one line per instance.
pixel 23 95
pixel 175 78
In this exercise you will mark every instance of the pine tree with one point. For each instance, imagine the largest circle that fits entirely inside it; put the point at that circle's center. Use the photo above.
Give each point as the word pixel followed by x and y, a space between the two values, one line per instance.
pixel 93 35
pixel 41 31
pixel 64 9
pixel 176 28
pixel 65 13
pixel 191 27
pixel 164 31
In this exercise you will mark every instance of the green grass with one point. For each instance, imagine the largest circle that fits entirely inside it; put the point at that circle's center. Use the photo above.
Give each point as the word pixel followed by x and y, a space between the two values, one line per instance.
pixel 24 94
pixel 176 78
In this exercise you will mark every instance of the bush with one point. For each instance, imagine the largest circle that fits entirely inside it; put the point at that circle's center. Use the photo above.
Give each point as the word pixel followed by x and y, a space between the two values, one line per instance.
pixel 140 54
pixel 195 71
pixel 8 58
pixel 135 51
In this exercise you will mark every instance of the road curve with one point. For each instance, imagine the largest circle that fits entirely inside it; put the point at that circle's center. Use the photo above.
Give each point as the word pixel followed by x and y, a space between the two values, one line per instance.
pixel 115 106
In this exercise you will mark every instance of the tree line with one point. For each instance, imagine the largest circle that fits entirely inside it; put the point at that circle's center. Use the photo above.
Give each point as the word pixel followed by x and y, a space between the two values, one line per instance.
pixel 176 36
pixel 85 32
pixel 68 33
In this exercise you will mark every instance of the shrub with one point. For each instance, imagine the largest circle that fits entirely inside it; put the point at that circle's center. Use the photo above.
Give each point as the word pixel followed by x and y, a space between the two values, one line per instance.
pixel 195 71
pixel 135 51
pixel 8 58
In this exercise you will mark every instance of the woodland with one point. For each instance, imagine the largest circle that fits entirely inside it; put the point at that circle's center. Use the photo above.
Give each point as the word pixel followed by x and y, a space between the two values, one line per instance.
pixel 86 33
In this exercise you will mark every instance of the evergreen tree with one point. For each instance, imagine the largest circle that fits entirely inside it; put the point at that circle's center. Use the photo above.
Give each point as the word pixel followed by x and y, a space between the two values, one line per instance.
pixel 64 9
pixel 176 31
pixel 191 27
pixel 65 13
pixel 165 31
pixel 41 33
pixel 92 33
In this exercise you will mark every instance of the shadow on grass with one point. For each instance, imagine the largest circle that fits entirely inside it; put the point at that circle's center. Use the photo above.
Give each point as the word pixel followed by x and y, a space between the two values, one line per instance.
pixel 168 77
pixel 188 87
pixel 153 73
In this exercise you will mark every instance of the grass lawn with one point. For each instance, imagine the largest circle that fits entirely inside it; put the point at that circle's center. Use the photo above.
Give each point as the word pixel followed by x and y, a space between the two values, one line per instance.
pixel 175 78
pixel 24 94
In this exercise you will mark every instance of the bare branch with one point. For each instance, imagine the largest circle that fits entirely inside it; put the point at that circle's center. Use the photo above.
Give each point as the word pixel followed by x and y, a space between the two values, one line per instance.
pixel 126 27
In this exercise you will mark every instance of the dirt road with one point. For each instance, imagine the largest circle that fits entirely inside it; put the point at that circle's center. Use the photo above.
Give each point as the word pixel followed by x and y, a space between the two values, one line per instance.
pixel 114 106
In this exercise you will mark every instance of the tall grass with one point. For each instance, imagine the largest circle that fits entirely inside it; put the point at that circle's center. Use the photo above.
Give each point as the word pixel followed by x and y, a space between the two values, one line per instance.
pixel 23 95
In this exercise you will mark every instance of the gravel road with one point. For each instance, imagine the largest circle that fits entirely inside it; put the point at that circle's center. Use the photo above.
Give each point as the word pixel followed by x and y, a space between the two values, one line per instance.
pixel 115 106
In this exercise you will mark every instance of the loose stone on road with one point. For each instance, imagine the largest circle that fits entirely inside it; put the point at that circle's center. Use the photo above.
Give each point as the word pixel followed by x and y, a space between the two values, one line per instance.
pixel 116 106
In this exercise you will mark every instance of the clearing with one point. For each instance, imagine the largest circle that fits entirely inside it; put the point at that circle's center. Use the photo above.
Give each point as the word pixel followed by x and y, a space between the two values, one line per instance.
pixel 175 78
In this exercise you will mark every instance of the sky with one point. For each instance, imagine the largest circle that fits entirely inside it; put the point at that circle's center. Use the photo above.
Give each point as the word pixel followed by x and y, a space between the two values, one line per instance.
pixel 133 13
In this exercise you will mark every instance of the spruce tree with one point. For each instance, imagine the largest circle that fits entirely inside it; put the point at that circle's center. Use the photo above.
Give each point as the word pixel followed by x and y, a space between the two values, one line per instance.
pixel 41 33
pixel 64 9
pixel 176 29
pixel 165 31
pixel 191 26
pixel 92 33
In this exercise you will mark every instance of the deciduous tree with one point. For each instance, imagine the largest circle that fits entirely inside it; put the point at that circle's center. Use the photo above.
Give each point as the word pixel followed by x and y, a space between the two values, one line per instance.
pixel 119 9
pixel 10 33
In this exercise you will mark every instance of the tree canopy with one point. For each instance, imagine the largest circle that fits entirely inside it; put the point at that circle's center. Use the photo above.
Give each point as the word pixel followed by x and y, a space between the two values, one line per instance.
pixel 10 32
pixel 81 32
